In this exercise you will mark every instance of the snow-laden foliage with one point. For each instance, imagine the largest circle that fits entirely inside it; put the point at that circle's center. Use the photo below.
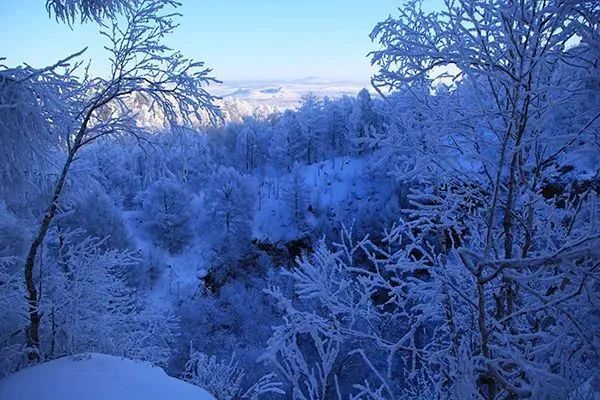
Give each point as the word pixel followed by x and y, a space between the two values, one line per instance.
pixel 229 204
pixel 89 308
pixel 13 234
pixel 224 379
pixel 83 109
pixel 70 11
pixel 166 215
pixel 518 261
pixel 295 194
pixel 95 213
pixel 221 379
pixel 32 123
pixel 409 322
pixel 86 304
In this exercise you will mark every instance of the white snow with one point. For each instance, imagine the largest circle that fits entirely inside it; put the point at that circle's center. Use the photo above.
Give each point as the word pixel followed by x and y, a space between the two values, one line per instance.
pixel 97 377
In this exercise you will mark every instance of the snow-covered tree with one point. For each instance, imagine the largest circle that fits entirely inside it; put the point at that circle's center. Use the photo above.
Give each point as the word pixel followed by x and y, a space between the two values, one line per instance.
pixel 188 158
pixel 251 145
pixel 86 304
pixel 310 120
pixel 285 146
pixel 97 214
pixel 362 121
pixel 325 323
pixel 221 379
pixel 337 138
pixel 484 80
pixel 70 11
pixel 13 236
pixel 296 197
pixel 90 309
pixel 29 143
pixel 166 214
pixel 90 108
pixel 229 203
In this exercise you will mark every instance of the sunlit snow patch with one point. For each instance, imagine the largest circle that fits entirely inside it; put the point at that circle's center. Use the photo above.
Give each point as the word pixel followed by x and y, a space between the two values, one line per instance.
pixel 97 377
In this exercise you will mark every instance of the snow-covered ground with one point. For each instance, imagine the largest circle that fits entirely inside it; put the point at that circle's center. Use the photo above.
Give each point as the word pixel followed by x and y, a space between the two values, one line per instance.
pixel 97 377
pixel 336 187
pixel 175 274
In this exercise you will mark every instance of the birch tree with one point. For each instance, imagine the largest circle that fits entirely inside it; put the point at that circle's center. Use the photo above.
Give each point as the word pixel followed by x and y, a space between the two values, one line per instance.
pixel 486 145
pixel 90 108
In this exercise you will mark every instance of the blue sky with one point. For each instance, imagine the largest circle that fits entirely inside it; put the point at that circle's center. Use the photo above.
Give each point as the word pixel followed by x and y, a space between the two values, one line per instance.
pixel 239 39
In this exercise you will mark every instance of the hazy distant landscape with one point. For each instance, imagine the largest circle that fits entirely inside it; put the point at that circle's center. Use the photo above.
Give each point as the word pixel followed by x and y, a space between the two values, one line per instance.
pixel 287 94
pixel 423 224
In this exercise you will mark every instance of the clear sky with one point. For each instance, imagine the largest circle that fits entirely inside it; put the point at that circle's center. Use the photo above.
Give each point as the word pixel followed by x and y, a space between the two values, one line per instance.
pixel 239 39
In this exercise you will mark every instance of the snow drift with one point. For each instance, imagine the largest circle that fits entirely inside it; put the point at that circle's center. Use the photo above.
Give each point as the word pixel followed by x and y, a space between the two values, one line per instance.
pixel 97 377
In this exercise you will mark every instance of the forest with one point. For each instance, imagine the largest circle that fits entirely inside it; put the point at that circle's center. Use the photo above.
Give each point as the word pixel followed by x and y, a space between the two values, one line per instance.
pixel 435 236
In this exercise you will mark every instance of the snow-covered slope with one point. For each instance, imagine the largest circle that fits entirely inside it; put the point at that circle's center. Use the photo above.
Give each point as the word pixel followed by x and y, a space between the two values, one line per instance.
pixel 97 377
pixel 337 188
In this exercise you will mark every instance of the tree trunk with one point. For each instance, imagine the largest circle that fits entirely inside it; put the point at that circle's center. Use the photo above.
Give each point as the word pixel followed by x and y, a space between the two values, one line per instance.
pixel 32 332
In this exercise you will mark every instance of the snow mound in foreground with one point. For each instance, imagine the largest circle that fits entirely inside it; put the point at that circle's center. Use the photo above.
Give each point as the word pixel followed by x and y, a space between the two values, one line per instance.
pixel 97 377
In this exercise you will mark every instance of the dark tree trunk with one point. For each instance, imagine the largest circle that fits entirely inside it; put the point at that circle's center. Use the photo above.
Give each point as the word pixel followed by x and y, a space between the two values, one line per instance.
pixel 35 317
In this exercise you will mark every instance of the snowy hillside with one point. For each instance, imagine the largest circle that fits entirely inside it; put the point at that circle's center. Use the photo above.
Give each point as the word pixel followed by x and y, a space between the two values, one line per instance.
pixel 332 189
pixel 97 377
